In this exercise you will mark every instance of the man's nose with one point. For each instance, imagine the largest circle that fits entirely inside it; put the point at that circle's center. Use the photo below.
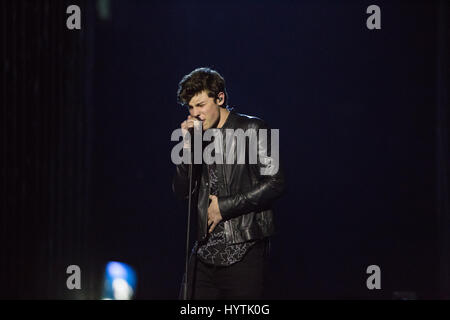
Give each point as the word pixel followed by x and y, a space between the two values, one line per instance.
pixel 195 112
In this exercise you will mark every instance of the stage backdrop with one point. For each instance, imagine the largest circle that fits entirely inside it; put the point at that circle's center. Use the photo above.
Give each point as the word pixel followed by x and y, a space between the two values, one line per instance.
pixel 88 115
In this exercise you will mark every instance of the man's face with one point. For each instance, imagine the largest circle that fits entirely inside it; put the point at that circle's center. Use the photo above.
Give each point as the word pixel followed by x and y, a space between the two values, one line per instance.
pixel 204 108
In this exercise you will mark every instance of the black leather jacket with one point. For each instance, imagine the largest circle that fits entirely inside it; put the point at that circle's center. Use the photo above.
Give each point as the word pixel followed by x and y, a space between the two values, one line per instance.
pixel 246 197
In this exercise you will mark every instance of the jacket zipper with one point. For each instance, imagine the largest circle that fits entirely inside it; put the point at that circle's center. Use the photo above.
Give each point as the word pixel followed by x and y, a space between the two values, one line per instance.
pixel 225 184
pixel 207 207
pixel 223 165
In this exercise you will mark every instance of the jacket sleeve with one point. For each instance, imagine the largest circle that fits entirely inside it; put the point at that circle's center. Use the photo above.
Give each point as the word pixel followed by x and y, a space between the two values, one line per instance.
pixel 180 182
pixel 270 187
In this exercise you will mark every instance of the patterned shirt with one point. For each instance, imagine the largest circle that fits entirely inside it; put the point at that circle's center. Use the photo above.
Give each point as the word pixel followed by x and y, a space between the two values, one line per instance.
pixel 215 250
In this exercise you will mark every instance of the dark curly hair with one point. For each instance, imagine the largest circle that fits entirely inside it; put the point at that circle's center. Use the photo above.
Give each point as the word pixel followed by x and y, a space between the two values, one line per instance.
pixel 199 80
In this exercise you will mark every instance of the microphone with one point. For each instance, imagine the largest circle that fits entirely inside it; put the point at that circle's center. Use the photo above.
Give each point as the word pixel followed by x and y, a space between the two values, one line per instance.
pixel 189 140
pixel 198 124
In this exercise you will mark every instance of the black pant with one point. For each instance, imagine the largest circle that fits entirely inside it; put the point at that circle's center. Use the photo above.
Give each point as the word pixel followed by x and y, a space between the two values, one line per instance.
pixel 243 280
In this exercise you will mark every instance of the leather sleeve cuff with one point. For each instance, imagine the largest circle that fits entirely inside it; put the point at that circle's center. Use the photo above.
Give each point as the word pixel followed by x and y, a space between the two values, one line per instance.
pixel 224 207
pixel 227 207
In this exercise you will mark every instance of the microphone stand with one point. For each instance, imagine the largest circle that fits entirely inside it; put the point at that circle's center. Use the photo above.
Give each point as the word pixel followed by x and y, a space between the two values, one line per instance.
pixel 197 126
pixel 186 266
pixel 185 287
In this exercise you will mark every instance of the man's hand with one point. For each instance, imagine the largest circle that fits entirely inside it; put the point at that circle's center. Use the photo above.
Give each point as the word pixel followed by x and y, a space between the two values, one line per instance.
pixel 214 216
pixel 188 123
pixel 185 126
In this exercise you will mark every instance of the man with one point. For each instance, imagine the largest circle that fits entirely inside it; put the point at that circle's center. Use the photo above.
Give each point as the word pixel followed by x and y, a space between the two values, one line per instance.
pixel 235 219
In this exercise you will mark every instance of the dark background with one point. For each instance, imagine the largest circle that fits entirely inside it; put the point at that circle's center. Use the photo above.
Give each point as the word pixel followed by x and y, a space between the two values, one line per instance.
pixel 363 116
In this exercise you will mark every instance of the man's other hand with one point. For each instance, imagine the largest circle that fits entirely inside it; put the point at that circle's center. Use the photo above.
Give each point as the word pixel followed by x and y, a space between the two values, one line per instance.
pixel 214 216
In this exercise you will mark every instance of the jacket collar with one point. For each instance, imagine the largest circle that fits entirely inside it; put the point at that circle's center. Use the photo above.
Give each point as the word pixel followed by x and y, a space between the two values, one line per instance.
pixel 231 117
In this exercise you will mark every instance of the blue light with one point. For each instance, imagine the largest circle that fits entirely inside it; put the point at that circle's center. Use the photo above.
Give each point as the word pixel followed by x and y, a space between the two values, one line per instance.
pixel 116 270
pixel 120 281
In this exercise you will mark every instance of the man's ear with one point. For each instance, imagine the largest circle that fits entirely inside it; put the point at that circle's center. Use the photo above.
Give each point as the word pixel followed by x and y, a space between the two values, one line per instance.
pixel 220 103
